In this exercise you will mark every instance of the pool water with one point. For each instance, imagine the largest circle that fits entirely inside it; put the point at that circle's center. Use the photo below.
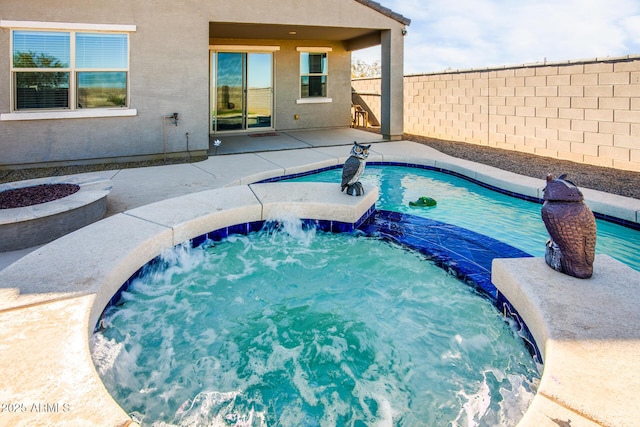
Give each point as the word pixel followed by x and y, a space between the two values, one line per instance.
pixel 462 203
pixel 296 327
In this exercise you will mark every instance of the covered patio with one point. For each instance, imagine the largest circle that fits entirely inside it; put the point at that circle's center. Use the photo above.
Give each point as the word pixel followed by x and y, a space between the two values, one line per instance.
pixel 288 140
pixel 271 72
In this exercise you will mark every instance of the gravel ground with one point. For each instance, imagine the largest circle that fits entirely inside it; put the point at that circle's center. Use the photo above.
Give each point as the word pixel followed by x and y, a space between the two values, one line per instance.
pixel 624 183
pixel 33 173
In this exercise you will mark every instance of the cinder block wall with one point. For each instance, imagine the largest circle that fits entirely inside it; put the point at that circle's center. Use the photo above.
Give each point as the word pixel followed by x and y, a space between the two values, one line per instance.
pixel 584 111
pixel 366 93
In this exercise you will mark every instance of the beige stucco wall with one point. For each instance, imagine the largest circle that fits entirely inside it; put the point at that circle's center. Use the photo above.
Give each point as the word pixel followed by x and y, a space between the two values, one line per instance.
pixel 169 72
pixel 334 114
pixel 287 84
pixel 583 111
pixel 334 13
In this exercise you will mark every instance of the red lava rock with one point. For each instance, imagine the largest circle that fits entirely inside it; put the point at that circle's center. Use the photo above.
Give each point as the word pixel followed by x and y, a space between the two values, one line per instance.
pixel 36 194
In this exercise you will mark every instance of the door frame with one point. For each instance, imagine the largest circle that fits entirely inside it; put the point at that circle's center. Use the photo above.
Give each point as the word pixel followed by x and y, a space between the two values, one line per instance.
pixel 243 49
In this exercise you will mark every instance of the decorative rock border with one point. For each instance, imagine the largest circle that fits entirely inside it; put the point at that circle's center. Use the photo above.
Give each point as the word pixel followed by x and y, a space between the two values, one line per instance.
pixel 34 225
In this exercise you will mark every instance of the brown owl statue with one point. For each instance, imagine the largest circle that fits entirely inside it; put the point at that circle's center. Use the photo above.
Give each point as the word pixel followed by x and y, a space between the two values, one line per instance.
pixel 571 226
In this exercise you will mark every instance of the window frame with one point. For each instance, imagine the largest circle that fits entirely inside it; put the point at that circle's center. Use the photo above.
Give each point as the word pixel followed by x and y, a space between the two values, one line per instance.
pixel 313 99
pixel 73 110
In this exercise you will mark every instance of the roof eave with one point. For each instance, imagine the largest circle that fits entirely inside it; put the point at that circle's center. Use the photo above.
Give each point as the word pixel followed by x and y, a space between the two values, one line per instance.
pixel 385 11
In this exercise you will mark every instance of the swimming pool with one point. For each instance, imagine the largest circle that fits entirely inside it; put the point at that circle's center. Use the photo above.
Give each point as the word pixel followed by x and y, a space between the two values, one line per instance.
pixel 224 399
pixel 466 204
pixel 292 326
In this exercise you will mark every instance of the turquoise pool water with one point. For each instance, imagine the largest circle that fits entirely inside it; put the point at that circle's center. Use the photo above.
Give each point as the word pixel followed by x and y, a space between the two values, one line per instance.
pixel 298 327
pixel 465 204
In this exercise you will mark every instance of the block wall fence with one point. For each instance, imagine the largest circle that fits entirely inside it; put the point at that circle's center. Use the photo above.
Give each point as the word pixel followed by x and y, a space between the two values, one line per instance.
pixel 583 111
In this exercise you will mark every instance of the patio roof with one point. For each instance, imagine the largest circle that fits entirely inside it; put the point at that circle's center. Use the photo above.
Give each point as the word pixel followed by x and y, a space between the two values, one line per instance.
pixel 256 30
pixel 236 30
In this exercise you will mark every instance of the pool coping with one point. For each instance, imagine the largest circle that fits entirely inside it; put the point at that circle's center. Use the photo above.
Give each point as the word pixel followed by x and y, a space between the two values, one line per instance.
pixel 588 331
pixel 47 321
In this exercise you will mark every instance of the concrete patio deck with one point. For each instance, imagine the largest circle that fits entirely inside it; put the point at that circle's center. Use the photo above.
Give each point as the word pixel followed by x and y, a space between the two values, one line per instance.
pixel 51 296
pixel 260 141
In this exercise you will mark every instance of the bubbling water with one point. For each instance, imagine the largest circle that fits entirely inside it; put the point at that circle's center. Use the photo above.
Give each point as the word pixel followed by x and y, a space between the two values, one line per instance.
pixel 292 326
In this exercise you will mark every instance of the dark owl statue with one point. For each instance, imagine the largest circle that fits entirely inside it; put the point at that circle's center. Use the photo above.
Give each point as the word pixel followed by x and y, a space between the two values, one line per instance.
pixel 353 169
pixel 571 226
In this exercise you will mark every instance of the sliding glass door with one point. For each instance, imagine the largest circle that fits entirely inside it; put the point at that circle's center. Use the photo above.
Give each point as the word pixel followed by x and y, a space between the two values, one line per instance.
pixel 242 91
pixel 259 90
pixel 228 107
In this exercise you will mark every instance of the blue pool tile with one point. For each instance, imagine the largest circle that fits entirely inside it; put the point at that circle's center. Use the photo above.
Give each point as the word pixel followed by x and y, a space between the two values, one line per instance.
pixel 217 235
pixel 484 283
pixel 197 241
pixel 523 331
pixel 255 226
pixel 341 227
pixel 468 254
pixel 237 229
pixel 325 226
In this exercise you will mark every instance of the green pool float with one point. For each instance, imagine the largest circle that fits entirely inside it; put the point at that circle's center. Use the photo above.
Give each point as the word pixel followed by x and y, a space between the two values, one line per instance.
pixel 423 202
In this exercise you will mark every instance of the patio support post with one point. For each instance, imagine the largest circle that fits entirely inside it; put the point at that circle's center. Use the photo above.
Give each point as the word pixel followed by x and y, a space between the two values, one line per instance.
pixel 391 110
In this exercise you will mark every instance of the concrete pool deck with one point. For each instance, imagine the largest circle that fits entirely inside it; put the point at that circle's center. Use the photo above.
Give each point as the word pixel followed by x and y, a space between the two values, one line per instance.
pixel 51 296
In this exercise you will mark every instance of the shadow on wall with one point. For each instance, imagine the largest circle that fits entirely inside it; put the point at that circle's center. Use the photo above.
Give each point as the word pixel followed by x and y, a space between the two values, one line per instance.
pixel 356 99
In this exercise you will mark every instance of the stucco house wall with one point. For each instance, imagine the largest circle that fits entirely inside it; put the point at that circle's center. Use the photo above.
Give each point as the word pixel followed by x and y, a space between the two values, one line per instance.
pixel 170 72
pixel 286 85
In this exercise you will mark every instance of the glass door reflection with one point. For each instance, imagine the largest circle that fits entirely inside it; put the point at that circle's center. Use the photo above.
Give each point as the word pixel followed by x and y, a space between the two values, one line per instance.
pixel 242 86
pixel 229 104
pixel 259 96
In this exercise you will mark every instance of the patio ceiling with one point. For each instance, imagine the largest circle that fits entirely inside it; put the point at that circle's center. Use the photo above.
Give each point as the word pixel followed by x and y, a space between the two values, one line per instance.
pixel 235 30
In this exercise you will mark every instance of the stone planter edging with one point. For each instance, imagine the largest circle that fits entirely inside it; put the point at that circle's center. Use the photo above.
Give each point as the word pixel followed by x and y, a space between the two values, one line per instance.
pixel 34 225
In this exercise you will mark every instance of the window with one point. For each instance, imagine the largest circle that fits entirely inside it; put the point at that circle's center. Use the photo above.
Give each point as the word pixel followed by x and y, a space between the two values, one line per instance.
pixel 70 70
pixel 41 64
pixel 313 74
pixel 314 71
pixel 95 54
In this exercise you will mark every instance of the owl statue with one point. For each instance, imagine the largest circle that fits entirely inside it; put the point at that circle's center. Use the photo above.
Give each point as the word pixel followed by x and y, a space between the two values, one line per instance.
pixel 571 226
pixel 353 169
